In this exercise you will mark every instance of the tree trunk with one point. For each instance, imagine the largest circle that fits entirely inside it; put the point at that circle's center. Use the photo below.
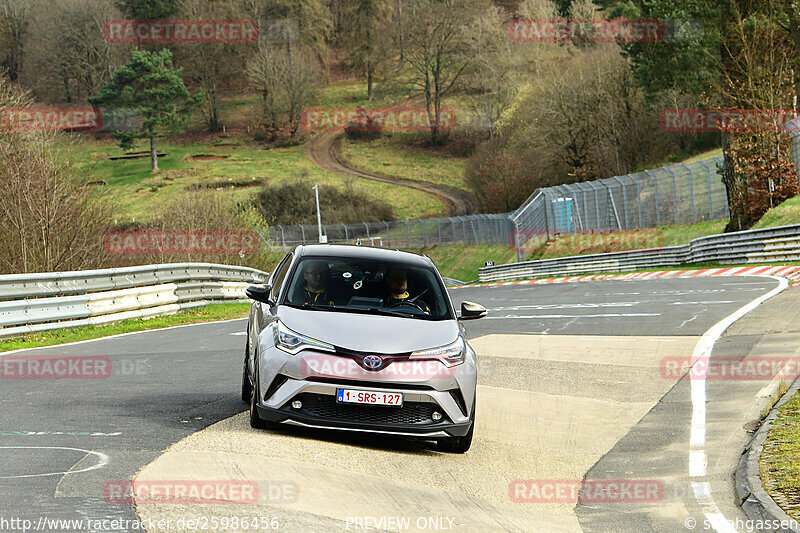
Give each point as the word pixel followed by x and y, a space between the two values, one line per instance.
pixel 400 27
pixel 370 92
pixel 153 155
pixel 368 22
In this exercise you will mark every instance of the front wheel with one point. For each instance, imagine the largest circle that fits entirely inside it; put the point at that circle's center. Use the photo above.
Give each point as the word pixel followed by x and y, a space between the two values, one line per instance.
pixel 247 387
pixel 256 421
pixel 456 444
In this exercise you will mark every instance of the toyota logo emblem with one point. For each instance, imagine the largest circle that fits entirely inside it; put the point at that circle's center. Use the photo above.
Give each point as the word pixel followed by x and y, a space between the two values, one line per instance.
pixel 373 362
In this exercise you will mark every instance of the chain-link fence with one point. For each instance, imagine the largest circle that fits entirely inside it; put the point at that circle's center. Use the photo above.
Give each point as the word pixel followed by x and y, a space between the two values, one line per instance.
pixel 473 229
pixel 680 194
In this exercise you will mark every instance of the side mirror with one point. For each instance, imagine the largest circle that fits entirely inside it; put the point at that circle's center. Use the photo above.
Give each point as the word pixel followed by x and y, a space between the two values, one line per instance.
pixel 472 311
pixel 259 293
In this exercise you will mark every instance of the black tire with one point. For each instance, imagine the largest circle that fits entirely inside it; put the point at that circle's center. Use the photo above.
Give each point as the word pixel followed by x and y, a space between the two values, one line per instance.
pixel 458 444
pixel 255 421
pixel 247 387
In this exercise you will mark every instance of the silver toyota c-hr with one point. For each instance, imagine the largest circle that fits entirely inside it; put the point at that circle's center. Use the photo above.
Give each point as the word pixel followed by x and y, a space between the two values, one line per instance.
pixel 360 339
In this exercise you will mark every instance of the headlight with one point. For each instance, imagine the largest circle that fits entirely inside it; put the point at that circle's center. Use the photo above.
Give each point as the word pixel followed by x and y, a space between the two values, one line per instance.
pixel 292 342
pixel 452 354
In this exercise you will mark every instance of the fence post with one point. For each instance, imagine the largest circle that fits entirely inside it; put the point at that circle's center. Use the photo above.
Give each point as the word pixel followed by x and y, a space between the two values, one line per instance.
pixel 708 184
pixel 366 226
pixel 424 234
pixel 721 161
pixel 585 207
pixel 346 236
pixel 388 235
pixel 439 228
pixel 624 199
pixel 637 181
pixel 283 238
pixel 303 232
pixel 408 243
pixel 464 230
pixel 691 188
pixel 655 184
pixel 497 230
pixel 674 194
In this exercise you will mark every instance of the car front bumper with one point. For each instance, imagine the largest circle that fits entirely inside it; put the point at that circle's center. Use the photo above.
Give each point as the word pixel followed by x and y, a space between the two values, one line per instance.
pixel 285 379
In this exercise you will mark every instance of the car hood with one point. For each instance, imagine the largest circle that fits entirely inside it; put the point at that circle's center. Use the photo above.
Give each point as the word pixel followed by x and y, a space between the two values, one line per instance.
pixel 370 333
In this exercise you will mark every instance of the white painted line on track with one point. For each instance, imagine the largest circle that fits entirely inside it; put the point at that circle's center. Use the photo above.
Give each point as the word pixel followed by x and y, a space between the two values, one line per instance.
pixel 703 303
pixel 565 306
pixel 702 354
pixel 606 339
pixel 122 335
pixel 607 315
pixel 102 460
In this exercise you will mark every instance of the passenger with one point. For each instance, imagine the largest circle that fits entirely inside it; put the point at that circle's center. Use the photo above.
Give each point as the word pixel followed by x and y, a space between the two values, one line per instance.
pixel 397 282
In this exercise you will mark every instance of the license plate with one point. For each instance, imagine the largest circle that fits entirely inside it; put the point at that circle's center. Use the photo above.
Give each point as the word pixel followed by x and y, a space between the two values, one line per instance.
pixel 369 397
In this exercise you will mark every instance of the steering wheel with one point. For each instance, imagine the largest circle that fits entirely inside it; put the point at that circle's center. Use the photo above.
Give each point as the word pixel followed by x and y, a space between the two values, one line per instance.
pixel 408 303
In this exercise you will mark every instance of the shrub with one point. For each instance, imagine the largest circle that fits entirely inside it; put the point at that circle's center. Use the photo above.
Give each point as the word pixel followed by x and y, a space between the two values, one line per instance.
pixel 365 129
pixel 294 203
pixel 206 211
pixel 52 219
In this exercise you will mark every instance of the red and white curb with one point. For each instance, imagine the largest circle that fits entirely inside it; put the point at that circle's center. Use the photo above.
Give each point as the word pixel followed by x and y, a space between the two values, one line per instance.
pixel 789 272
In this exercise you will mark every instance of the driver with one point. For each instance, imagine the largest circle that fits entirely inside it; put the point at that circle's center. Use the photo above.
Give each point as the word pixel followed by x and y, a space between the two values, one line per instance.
pixel 315 287
pixel 397 281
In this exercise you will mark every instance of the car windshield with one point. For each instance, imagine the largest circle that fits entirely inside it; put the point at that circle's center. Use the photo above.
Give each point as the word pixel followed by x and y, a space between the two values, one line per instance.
pixel 367 286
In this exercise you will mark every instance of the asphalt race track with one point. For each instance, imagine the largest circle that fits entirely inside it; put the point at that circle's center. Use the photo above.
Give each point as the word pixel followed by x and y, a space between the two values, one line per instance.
pixel 569 384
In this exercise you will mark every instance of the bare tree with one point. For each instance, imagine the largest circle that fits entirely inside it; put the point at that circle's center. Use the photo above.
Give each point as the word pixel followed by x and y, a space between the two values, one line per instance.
pixel 287 78
pixel 491 83
pixel 437 48
pixel 582 119
pixel 366 35
pixel 211 66
pixel 50 218
pixel 15 18
pixel 312 19
pixel 69 57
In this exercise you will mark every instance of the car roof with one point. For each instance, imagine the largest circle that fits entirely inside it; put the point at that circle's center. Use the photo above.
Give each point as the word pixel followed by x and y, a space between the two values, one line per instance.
pixel 363 252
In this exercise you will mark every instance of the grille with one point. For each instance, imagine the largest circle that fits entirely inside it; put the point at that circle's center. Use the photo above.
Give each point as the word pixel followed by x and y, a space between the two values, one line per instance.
pixel 325 406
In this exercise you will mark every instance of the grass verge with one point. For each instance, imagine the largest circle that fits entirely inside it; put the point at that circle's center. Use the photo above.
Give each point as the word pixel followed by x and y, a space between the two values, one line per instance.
pixel 208 313
pixel 402 155
pixel 236 167
pixel 462 262
pixel 784 214
pixel 780 458
pixel 619 241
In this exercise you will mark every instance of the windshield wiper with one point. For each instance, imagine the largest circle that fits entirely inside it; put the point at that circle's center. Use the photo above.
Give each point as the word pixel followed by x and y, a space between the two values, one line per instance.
pixel 400 314
pixel 361 310
pixel 314 307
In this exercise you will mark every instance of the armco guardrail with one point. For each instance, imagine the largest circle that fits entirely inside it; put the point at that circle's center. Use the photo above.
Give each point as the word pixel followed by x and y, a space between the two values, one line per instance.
pixel 39 302
pixel 742 247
